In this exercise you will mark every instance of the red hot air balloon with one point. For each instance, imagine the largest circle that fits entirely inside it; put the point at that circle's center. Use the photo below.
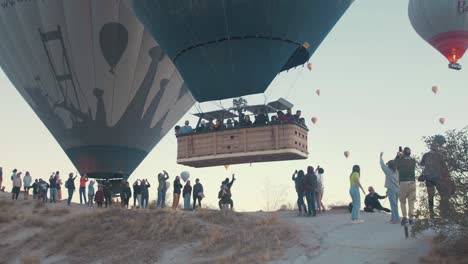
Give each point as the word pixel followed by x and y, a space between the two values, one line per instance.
pixel 314 120
pixel 442 120
pixel 310 66
pixel 435 89
pixel 443 24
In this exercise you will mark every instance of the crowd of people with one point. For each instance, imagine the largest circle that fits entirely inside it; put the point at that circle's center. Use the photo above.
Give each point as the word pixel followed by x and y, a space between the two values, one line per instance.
pixel 400 182
pixel 261 118
pixel 309 186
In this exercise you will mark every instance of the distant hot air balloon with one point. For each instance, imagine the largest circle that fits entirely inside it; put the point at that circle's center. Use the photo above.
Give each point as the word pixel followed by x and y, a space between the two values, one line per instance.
pixel 310 66
pixel 231 48
pixel 58 54
pixel 442 120
pixel 443 24
pixel 226 166
pixel 317 92
pixel 435 89
pixel 346 153
pixel 314 120
pixel 185 175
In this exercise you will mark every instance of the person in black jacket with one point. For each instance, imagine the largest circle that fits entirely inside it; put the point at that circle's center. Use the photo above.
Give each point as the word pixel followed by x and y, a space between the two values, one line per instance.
pixel 177 190
pixel 197 193
pixel 298 178
pixel 107 193
pixel 309 186
pixel 125 194
pixel 225 194
pixel 70 185
pixel 144 193
pixel 372 202
pixel 35 188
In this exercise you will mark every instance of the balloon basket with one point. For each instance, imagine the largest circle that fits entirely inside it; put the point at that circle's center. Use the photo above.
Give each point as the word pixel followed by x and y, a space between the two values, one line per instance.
pixel 455 66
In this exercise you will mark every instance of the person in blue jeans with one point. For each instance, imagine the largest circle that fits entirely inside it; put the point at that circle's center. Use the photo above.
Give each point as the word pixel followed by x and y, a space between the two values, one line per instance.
pixel 162 178
pixel 355 184
pixel 393 187
pixel 298 178
pixel 308 188
pixel 70 185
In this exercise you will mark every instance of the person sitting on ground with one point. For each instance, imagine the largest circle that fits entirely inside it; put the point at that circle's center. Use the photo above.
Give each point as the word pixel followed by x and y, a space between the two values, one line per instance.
pixel 197 193
pixel 225 194
pixel 302 122
pixel 99 196
pixel 289 118
pixel 297 116
pixel 372 202
pixel 186 129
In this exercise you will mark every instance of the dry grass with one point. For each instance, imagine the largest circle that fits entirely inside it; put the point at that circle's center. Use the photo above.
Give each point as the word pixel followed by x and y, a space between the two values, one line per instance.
pixel 447 253
pixel 55 212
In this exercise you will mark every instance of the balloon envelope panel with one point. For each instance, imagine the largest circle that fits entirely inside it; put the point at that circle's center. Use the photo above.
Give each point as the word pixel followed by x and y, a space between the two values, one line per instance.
pixel 231 48
pixel 99 82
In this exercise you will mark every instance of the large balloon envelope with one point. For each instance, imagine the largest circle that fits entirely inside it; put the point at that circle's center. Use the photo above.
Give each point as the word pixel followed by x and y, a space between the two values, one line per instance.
pixel 231 48
pixel 443 24
pixel 99 82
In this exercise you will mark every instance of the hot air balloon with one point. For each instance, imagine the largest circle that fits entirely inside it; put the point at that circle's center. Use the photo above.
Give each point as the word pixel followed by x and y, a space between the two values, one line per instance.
pixel 310 66
pixel 185 175
pixel 226 166
pixel 317 92
pixel 435 89
pixel 232 48
pixel 97 80
pixel 442 120
pixel 443 24
pixel 346 153
pixel 314 120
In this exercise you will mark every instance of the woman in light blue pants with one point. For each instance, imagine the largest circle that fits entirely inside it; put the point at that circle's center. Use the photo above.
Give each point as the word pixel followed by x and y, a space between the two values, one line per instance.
pixel 393 187
pixel 355 184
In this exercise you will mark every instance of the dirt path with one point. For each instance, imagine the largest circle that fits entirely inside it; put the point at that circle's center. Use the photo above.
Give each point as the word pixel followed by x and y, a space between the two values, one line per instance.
pixel 331 238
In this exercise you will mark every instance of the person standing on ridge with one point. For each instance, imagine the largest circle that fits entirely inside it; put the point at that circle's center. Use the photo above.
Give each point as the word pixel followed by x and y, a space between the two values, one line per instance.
pixel 393 188
pixel 298 178
pixel 309 185
pixel 70 186
pixel 197 193
pixel 320 189
pixel 162 178
pixel 27 180
pixel 406 169
pixel 186 193
pixel 177 190
pixel 1 177
pixel 90 193
pixel 355 185
pixel 225 194
pixel 59 187
pixel 144 193
pixel 126 194
pixel 437 176
pixel 16 185
pixel 137 193
pixel 107 193
pixel 53 188
pixel 82 192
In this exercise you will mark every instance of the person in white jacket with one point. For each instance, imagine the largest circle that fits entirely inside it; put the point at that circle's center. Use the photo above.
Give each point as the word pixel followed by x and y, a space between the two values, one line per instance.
pixel 16 186
pixel 393 188
pixel 27 179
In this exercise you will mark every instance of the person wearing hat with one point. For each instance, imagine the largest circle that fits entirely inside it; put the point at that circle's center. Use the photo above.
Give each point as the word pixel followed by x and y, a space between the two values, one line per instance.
pixel 407 177
pixel 393 188
pixel 197 193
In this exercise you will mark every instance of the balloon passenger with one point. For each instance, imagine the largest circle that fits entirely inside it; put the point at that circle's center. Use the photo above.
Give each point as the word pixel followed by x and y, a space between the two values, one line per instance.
pixel 297 116
pixel 298 178
pixel 162 178
pixel 197 193
pixel 186 129
pixel 355 184
pixel 372 202
pixel 393 188
pixel 177 190
pixel 186 193
pixel 407 172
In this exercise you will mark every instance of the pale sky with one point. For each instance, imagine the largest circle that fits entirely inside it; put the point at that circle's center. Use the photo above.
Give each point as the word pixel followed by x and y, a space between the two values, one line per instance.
pixel 375 74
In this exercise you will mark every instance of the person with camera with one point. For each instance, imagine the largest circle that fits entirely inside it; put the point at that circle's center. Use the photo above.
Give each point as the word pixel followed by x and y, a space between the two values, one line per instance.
pixel 298 178
pixel 406 169
pixel 436 176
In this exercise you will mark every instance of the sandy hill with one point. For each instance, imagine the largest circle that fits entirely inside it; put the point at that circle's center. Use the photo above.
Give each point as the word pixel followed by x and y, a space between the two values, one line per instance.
pixel 53 233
